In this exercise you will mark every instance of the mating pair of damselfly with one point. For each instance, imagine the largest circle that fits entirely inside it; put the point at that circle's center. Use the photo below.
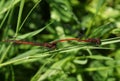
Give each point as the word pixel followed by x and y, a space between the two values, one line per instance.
pixel 53 44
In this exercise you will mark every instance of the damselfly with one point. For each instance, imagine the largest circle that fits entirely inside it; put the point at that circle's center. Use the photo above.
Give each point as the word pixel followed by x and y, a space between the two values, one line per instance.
pixel 49 45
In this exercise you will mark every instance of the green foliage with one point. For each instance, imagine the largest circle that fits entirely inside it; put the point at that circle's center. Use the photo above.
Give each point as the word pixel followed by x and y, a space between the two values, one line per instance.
pixel 50 20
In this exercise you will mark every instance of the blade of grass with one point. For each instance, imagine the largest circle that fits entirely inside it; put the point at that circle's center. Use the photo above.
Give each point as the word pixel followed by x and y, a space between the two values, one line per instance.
pixel 110 41
pixel 31 34
pixel 9 7
pixel 37 75
pixel 97 57
pixel 19 16
pixel 4 19
pixel 24 59
pixel 101 68
pixel 5 16
pixel 8 26
pixel 28 14
pixel 98 7
pixel 52 71
pixel 5 53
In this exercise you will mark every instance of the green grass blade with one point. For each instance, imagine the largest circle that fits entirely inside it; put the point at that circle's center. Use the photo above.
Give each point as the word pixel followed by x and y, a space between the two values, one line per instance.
pixel 19 16
pixel 29 14
pixel 31 34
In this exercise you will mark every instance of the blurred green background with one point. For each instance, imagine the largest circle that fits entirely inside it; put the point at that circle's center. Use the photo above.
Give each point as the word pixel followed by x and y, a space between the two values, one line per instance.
pixel 50 20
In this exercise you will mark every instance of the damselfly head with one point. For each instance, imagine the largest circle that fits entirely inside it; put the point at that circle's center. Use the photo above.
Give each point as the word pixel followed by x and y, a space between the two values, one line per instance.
pixel 51 45
pixel 94 40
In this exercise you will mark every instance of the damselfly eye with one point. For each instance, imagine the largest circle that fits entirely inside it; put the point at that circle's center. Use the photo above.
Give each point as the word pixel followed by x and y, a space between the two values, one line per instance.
pixel 98 41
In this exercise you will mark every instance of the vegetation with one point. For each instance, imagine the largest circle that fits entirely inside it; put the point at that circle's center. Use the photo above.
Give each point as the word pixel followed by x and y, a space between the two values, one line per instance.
pixel 50 20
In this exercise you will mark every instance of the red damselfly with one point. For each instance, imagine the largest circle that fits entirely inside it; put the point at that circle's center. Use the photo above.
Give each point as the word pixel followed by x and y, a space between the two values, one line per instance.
pixel 49 45
pixel 90 40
